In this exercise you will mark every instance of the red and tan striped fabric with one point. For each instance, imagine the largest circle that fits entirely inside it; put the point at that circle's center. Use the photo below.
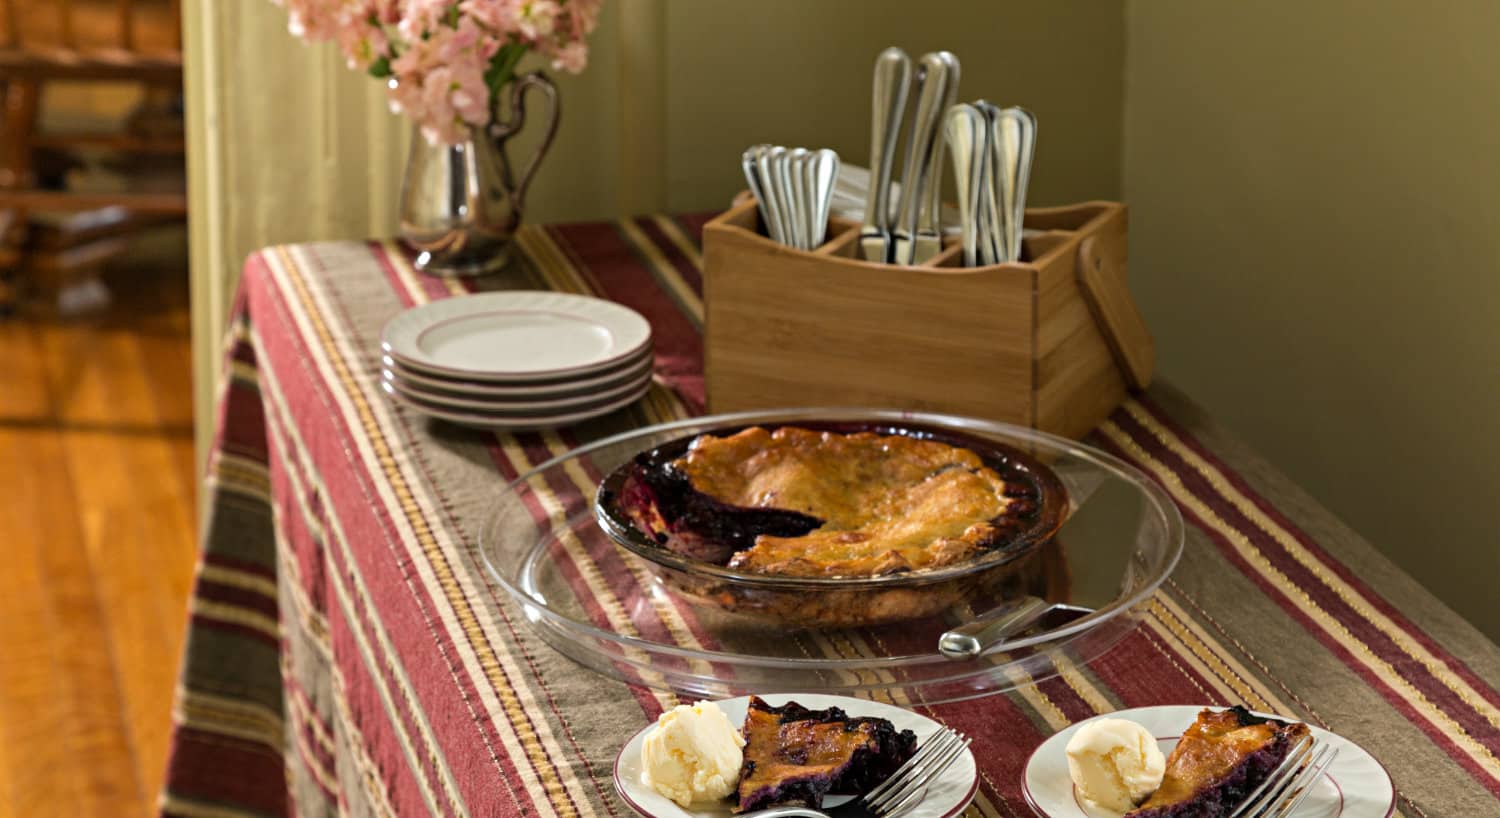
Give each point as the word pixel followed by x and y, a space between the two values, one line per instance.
pixel 349 655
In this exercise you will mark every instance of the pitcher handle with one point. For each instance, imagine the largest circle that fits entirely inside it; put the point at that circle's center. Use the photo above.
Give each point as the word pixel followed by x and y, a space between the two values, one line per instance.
pixel 503 130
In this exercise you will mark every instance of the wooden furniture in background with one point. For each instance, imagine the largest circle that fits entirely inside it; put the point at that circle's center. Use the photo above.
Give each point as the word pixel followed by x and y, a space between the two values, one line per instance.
pixel 44 42
pixel 1053 342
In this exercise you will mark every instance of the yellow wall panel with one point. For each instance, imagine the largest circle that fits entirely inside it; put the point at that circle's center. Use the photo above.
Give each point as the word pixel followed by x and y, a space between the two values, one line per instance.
pixel 1315 240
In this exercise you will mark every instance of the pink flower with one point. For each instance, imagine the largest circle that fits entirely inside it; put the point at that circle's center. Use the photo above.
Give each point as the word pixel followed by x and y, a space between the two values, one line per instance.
pixel 362 36
pixel 498 16
pixel 419 17
pixel 584 14
pixel 573 57
pixel 437 52
pixel 537 20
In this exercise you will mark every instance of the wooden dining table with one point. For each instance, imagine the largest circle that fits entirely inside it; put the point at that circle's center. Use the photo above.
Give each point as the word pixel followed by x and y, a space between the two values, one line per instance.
pixel 348 654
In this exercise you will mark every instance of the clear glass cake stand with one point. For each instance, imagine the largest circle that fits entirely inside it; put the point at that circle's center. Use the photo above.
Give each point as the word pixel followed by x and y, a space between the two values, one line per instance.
pixel 606 608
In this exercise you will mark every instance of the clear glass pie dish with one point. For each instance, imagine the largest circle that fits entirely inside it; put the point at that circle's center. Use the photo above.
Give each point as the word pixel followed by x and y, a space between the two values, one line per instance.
pixel 1005 566
pixel 633 618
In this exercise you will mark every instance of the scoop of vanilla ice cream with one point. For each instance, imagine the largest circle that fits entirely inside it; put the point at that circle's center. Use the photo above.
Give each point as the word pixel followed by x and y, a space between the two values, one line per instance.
pixel 692 754
pixel 1115 763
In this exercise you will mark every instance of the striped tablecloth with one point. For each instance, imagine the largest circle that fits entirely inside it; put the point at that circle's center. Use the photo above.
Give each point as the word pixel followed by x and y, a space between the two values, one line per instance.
pixel 349 655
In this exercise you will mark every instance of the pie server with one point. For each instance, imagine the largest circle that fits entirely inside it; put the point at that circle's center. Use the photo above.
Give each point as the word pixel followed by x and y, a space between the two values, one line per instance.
pixel 1099 563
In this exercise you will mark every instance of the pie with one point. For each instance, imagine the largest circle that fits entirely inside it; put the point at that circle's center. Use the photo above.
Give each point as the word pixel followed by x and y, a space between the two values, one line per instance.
pixel 794 755
pixel 1221 758
pixel 800 502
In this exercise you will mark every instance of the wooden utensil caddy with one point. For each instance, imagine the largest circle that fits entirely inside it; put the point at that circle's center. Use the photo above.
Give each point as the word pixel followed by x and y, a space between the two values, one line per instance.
pixel 1053 342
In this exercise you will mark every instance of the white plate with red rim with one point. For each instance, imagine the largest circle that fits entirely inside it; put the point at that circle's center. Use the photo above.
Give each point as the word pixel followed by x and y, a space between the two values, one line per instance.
pixel 1355 785
pixel 516 336
pixel 946 797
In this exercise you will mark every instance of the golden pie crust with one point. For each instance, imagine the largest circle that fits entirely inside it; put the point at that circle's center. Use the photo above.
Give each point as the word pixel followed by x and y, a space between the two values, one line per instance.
pixel 838 523
pixel 888 503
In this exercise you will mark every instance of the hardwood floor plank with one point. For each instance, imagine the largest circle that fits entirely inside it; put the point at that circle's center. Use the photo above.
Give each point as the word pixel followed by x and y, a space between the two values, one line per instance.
pixel 137 526
pixel 97 492
pixel 66 746
pixel 33 717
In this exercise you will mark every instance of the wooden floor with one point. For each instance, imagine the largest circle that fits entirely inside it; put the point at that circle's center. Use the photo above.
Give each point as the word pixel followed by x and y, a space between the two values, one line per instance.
pixel 96 523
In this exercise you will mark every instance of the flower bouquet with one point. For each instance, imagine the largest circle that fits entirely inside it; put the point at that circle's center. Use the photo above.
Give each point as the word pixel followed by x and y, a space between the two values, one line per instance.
pixel 447 60
pixel 446 63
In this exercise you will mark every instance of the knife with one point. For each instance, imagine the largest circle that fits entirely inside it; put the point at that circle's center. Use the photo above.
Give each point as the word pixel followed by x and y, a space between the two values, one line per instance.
pixel 892 76
pixel 929 238
pixel 917 177
pixel 1097 541
pixel 966 132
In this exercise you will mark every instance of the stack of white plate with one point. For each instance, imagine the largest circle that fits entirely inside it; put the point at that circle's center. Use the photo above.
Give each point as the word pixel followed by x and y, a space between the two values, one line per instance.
pixel 517 360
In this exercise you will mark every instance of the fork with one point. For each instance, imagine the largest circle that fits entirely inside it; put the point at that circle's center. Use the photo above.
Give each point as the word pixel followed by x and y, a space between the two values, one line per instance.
pixel 908 784
pixel 903 790
pixel 1285 788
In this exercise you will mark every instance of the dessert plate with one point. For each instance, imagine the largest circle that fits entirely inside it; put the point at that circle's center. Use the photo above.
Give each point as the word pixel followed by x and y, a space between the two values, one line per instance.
pixel 516 336
pixel 466 403
pixel 523 422
pixel 946 797
pixel 627 372
pixel 1355 785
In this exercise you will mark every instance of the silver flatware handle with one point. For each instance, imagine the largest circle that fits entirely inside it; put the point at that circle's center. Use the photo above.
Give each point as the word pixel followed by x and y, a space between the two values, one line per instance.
pixel 930 215
pixel 932 79
pixel 992 216
pixel 771 164
pixel 752 179
pixel 765 170
pixel 976 637
pixel 1005 141
pixel 794 182
pixel 1012 145
pixel 1025 154
pixel 823 172
pixel 892 79
pixel 966 133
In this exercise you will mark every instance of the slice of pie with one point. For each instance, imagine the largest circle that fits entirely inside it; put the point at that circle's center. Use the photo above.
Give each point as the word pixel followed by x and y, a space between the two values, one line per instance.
pixel 1222 757
pixel 802 502
pixel 794 755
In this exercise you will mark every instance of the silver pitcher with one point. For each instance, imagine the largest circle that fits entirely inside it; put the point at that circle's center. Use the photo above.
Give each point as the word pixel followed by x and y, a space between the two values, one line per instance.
pixel 461 204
